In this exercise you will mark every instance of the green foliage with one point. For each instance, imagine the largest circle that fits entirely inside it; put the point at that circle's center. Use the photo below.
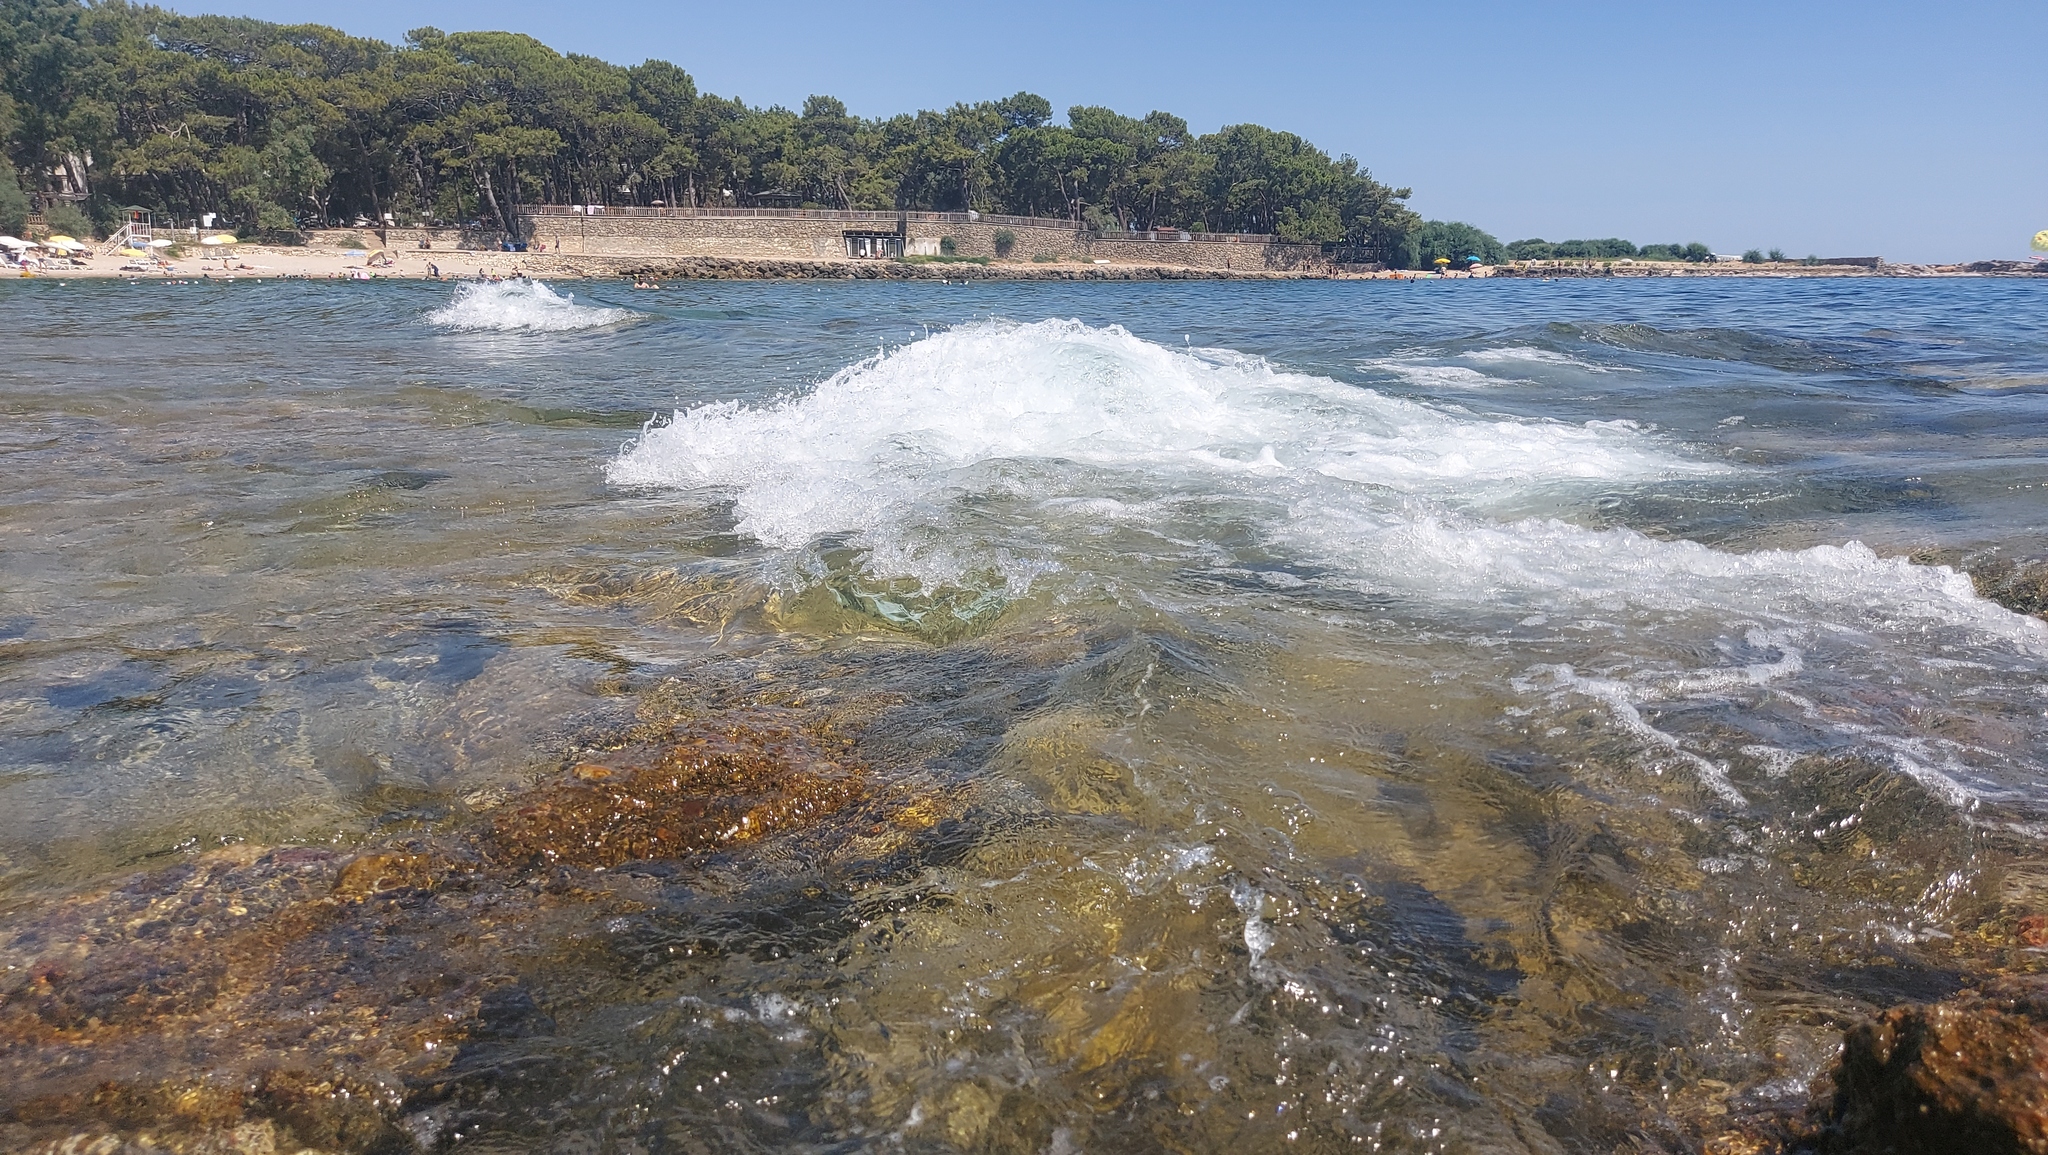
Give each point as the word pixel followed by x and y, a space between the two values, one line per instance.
pixel 1454 241
pixel 67 220
pixel 283 127
pixel 13 203
pixel 947 248
pixel 1006 241
pixel 1752 257
pixel 1607 249
pixel 1043 259
pixel 1776 255
pixel 947 259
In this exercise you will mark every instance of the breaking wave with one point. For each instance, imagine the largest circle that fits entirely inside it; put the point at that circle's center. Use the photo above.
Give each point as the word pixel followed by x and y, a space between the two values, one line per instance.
pixel 1026 449
pixel 877 445
pixel 521 307
pixel 1068 428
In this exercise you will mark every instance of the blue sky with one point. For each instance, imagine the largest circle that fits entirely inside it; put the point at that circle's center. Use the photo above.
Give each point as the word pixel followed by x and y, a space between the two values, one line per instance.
pixel 1912 131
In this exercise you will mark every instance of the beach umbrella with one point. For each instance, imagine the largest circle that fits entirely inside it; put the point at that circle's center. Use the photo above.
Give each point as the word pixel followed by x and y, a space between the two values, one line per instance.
pixel 15 243
pixel 219 239
pixel 161 243
pixel 66 243
pixel 132 252
pixel 2041 241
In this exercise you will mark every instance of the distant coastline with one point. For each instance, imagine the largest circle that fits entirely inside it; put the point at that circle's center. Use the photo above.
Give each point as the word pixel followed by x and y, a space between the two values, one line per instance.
pixel 328 260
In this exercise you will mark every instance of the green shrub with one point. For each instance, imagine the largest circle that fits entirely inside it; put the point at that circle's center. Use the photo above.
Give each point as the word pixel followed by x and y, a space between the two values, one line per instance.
pixel 947 248
pixel 352 241
pixel 1753 256
pixel 13 203
pixel 943 260
pixel 1455 240
pixel 1005 242
pixel 1777 254
pixel 67 220
pixel 1044 259
pixel 273 223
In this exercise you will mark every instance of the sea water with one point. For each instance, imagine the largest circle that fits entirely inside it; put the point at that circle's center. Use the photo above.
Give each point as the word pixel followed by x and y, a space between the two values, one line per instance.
pixel 1451 715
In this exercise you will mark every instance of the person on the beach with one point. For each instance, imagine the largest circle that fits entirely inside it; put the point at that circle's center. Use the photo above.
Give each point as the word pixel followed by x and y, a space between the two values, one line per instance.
pixel 433 271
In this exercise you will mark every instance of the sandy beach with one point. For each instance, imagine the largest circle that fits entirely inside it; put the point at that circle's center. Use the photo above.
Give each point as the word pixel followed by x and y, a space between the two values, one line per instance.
pixel 311 263
pixel 322 262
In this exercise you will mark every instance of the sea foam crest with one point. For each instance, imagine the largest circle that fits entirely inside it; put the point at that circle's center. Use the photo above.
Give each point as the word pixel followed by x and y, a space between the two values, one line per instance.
pixel 521 306
pixel 997 437
pixel 877 444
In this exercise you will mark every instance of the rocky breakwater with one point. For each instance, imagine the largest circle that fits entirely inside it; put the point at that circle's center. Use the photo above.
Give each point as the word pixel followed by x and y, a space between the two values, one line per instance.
pixel 382 999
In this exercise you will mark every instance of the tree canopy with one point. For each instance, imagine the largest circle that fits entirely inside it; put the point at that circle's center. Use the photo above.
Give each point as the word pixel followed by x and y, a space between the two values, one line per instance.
pixel 1454 241
pixel 1607 248
pixel 276 127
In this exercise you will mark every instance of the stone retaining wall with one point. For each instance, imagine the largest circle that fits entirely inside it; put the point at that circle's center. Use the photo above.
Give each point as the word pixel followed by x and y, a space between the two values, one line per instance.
pixel 797 238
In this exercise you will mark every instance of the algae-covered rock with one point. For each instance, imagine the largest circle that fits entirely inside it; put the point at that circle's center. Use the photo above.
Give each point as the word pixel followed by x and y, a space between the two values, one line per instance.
pixel 695 791
pixel 1967 1075
pixel 307 998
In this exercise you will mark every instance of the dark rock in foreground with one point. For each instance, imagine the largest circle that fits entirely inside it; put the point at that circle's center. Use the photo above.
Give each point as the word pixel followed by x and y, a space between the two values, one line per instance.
pixel 1966 1075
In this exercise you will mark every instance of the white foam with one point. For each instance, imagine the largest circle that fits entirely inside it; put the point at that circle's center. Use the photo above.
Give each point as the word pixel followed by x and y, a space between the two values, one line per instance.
pixel 1023 448
pixel 1545 562
pixel 1434 375
pixel 1525 354
pixel 521 306
pixel 1026 411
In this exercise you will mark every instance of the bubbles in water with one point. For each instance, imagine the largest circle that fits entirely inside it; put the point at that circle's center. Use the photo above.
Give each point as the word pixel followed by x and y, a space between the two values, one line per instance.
pixel 1030 449
pixel 521 307
pixel 1058 411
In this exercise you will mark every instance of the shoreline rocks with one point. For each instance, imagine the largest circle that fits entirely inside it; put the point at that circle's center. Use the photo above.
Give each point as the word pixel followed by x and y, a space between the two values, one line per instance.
pixel 1965 1075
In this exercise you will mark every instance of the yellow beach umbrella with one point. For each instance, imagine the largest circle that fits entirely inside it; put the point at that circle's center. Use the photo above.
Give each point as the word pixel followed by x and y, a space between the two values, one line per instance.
pixel 219 239
pixel 2041 241
pixel 133 252
pixel 60 240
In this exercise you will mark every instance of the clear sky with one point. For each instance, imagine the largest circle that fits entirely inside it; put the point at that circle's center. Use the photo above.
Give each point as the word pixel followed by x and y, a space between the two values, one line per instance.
pixel 1916 132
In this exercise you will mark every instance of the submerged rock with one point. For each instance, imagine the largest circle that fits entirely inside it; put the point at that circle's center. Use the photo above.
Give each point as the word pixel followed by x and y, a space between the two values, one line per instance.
pixel 303 998
pixel 692 792
pixel 2019 585
pixel 1969 1074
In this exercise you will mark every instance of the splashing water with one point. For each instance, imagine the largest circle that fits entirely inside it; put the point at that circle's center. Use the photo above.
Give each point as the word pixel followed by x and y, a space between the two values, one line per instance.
pixel 1045 412
pixel 1015 448
pixel 521 307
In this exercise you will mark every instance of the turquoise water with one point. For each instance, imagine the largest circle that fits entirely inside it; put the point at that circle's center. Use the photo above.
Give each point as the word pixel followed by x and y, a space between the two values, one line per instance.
pixel 1412 716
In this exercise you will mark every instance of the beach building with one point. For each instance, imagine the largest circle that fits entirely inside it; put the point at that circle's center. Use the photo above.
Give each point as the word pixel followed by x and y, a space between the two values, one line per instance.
pixel 865 245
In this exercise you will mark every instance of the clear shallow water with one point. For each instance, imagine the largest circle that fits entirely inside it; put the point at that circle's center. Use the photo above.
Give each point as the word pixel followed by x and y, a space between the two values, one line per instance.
pixel 1454 716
